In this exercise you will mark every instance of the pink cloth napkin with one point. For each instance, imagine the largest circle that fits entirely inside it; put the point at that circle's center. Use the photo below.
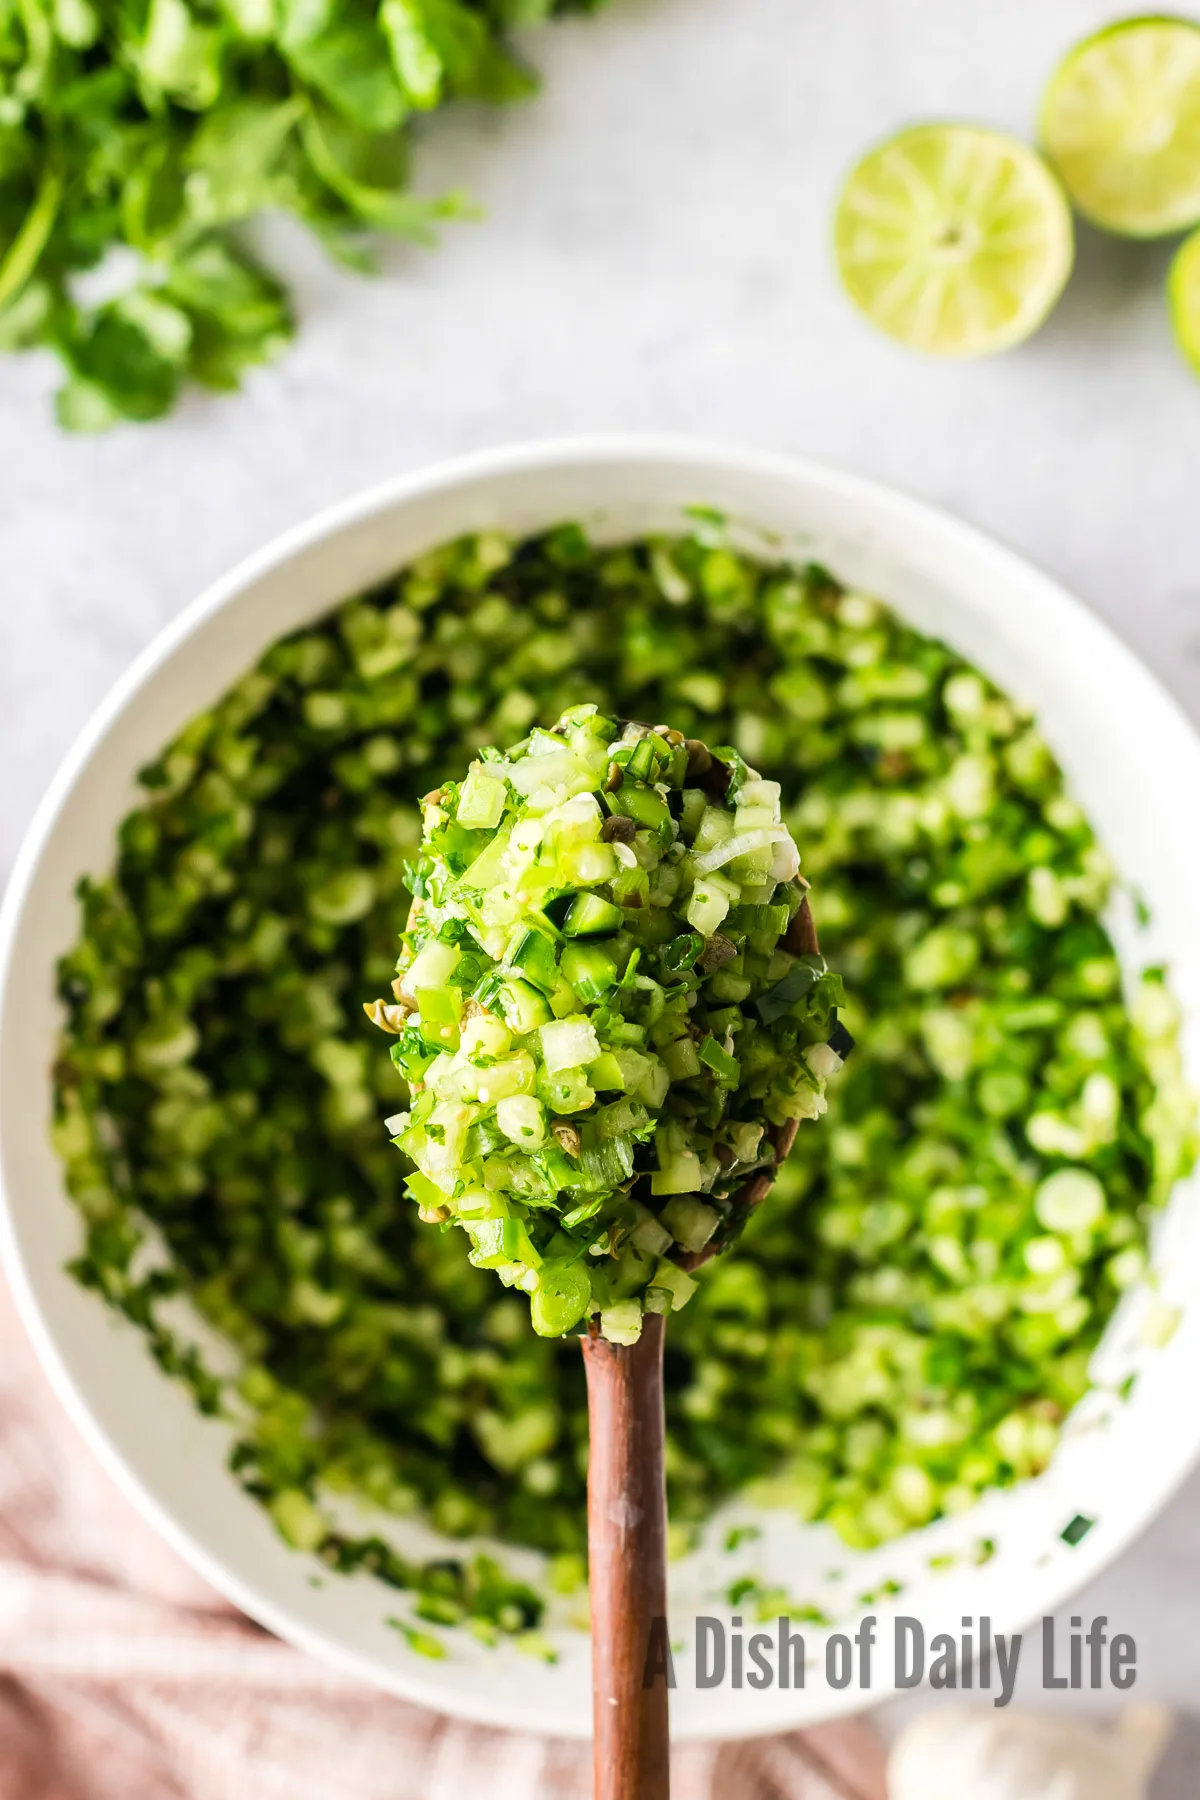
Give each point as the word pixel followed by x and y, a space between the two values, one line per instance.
pixel 123 1676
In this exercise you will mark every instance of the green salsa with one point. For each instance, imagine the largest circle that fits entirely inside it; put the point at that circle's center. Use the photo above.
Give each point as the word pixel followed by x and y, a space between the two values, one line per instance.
pixel 609 992
pixel 910 1316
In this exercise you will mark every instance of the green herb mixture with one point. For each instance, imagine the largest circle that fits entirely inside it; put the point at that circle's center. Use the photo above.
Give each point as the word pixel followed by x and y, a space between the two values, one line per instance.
pixel 156 128
pixel 908 1318
pixel 607 913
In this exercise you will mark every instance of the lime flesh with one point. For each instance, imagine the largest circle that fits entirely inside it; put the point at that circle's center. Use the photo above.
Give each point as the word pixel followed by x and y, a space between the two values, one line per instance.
pixel 1120 122
pixel 953 239
pixel 1183 298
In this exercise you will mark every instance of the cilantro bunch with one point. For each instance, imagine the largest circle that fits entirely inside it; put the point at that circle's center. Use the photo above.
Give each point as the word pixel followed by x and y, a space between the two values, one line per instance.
pixel 142 135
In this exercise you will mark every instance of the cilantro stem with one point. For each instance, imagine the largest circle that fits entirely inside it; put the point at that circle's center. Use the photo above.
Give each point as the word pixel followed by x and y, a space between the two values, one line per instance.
pixel 26 248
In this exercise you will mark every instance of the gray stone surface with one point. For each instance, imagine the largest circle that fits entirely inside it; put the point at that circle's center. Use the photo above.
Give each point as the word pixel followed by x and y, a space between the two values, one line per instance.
pixel 654 255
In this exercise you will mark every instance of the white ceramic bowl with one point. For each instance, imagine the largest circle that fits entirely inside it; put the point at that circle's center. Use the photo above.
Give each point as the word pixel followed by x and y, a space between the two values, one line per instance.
pixel 1133 762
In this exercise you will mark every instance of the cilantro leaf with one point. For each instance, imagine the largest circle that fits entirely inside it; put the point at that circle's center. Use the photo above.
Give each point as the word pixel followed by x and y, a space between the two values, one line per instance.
pixel 136 138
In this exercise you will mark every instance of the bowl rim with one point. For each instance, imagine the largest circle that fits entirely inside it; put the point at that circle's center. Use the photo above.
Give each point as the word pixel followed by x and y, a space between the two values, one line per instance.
pixel 593 450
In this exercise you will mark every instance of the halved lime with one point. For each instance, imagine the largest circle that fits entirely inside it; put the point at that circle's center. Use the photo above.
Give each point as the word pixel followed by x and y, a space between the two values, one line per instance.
pixel 1183 298
pixel 1120 122
pixel 954 239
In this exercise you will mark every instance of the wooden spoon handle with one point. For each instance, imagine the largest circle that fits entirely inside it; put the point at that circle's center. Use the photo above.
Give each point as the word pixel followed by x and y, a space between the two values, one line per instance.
pixel 627 1519
pixel 627 1550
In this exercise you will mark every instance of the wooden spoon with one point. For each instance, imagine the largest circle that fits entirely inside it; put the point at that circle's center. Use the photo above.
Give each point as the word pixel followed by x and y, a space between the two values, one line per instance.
pixel 627 1518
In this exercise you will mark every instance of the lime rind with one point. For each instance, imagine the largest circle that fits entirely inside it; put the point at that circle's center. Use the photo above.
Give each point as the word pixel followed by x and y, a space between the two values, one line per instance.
pixel 1183 298
pixel 956 240
pixel 1120 124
